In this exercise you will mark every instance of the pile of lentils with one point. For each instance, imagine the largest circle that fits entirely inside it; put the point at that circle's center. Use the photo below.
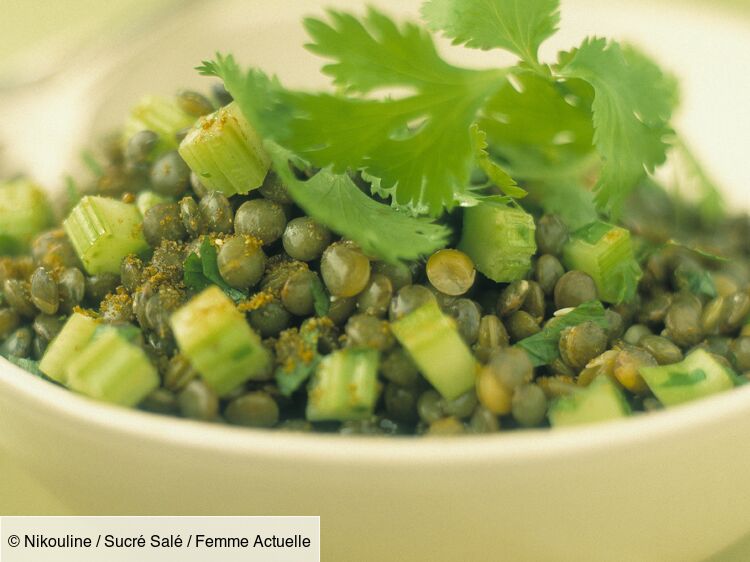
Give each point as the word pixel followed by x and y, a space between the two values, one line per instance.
pixel 269 248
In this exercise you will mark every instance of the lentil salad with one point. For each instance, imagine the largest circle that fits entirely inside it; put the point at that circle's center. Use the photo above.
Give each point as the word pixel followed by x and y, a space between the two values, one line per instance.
pixel 224 295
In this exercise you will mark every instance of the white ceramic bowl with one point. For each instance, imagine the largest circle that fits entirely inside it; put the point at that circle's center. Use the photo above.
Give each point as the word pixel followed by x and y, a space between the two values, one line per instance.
pixel 670 486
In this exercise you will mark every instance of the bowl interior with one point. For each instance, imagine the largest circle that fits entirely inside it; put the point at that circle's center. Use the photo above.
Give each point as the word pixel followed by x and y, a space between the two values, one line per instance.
pixel 715 117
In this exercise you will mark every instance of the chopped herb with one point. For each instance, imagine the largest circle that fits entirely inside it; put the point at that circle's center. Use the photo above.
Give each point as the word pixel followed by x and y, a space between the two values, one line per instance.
pixel 92 163
pixel 494 171
pixel 543 347
pixel 203 271
pixel 321 300
pixel 26 364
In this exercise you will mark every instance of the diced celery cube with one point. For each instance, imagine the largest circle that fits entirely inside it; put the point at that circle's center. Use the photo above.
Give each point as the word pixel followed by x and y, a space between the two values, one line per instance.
pixel 499 239
pixel 67 345
pixel 24 212
pixel 605 252
pixel 219 342
pixel 225 152
pixel 602 400
pixel 345 386
pixel 432 340
pixel 696 376
pixel 103 231
pixel 112 369
pixel 162 116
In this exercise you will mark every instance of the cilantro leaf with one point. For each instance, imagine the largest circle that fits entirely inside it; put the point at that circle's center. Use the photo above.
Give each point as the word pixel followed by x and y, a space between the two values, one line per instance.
pixel 335 201
pixel 695 279
pixel 374 53
pixel 419 145
pixel 494 171
pixel 540 119
pixel 202 271
pixel 90 161
pixel 566 198
pixel 633 102
pixel 28 365
pixel 321 299
pixel 543 346
pixel 711 205
pixel 518 26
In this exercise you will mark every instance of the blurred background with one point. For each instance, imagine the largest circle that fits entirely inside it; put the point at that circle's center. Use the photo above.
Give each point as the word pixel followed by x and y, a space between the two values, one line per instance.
pixel 41 39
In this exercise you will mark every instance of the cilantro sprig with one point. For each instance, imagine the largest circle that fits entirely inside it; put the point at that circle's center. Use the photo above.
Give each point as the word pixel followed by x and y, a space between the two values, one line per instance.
pixel 518 26
pixel 601 108
pixel 334 200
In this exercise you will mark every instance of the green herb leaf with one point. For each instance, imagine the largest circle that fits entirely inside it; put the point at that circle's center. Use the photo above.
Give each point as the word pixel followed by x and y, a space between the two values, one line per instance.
pixel 202 271
pixel 711 205
pixel 679 378
pixel 374 52
pixel 419 145
pixel 289 381
pixel 26 364
pixel 92 163
pixel 695 279
pixel 540 120
pixel 518 26
pixel 494 171
pixel 321 299
pixel 303 361
pixel 72 193
pixel 566 198
pixel 633 102
pixel 543 346
pixel 335 201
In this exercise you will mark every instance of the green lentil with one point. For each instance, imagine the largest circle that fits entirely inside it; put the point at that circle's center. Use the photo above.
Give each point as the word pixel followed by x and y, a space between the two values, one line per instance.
pixel 304 239
pixel 664 351
pixel 375 298
pixel 198 401
pixel 398 367
pixel 262 219
pixel 345 270
pixel 529 405
pixel 254 409
pixel 547 272
pixel 574 288
pixel 580 344
pixel 522 325
pixel 241 262
pixel 512 298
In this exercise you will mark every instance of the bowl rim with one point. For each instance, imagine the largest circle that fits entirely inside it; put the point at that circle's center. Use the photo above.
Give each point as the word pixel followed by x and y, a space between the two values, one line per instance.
pixel 70 408
pixel 516 446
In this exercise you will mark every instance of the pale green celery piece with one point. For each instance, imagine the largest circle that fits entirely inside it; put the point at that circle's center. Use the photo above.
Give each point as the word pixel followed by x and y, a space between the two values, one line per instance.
pixel 499 239
pixel 24 212
pixel 219 342
pixel 112 369
pixel 435 345
pixel 225 152
pixel 103 231
pixel 162 116
pixel 345 386
pixel 699 374
pixel 147 199
pixel 605 252
pixel 67 345
pixel 602 400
